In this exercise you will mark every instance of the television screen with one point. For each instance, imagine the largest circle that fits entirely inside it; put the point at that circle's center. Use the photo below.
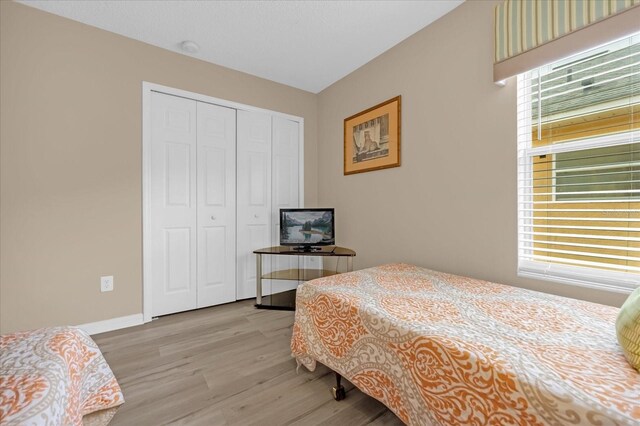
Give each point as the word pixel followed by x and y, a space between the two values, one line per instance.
pixel 306 227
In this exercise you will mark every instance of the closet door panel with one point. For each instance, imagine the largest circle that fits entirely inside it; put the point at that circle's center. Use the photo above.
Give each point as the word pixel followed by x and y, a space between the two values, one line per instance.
pixel 253 196
pixel 285 178
pixel 172 196
pixel 216 201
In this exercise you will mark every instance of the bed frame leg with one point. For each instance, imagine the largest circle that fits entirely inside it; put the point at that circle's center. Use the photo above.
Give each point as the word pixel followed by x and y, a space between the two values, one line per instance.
pixel 338 391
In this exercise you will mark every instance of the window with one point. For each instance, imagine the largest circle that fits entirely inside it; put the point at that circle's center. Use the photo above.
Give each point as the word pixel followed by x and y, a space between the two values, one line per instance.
pixel 579 169
pixel 615 170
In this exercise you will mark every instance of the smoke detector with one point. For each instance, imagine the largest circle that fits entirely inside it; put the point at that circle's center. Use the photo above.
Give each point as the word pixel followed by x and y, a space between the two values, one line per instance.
pixel 189 46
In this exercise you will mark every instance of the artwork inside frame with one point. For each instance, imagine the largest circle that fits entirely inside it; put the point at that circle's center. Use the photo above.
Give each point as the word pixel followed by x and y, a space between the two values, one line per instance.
pixel 372 138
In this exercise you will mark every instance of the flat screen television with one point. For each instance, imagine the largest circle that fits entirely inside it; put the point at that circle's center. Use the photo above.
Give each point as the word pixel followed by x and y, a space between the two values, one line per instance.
pixel 307 228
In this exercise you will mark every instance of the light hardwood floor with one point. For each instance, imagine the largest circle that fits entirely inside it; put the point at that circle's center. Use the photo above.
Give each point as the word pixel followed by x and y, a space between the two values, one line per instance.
pixel 226 365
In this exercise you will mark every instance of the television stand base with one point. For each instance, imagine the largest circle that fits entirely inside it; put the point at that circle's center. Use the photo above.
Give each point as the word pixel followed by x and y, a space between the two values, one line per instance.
pixel 299 274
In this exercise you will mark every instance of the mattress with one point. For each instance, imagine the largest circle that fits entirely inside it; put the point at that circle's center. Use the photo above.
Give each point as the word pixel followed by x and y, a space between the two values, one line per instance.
pixel 55 376
pixel 441 349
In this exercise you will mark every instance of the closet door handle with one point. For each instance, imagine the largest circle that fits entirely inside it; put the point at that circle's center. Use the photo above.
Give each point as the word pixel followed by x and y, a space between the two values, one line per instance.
pixel 213 218
pixel 255 215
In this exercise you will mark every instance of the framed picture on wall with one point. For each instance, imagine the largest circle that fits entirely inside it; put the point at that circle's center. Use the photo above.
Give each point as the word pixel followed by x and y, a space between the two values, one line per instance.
pixel 372 138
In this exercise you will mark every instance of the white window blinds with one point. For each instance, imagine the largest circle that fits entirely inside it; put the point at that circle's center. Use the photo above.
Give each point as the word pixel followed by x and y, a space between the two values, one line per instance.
pixel 579 168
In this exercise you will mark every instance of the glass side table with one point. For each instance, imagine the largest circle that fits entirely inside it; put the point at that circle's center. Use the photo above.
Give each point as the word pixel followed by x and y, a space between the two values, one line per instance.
pixel 285 300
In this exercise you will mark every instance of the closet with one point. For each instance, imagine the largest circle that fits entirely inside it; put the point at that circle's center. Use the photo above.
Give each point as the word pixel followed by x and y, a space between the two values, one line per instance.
pixel 216 178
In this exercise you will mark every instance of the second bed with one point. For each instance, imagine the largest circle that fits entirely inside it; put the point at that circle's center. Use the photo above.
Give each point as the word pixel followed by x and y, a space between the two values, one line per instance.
pixel 441 349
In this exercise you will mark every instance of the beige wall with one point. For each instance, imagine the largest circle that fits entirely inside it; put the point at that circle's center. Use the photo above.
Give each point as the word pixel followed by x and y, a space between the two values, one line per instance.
pixel 70 132
pixel 451 206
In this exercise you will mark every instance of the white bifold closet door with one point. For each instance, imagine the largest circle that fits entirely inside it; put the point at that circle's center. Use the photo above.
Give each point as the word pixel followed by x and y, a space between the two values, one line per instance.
pixel 216 205
pixel 285 195
pixel 191 203
pixel 172 204
pixel 253 196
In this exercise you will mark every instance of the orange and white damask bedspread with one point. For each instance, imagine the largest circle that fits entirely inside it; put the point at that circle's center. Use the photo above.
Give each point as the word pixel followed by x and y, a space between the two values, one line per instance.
pixel 55 376
pixel 440 349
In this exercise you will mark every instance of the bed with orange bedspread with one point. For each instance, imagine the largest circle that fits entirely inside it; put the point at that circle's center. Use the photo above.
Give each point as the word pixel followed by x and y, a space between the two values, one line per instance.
pixel 55 376
pixel 440 349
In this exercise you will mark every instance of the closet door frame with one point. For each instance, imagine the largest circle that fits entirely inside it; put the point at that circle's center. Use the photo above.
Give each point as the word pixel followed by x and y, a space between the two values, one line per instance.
pixel 147 89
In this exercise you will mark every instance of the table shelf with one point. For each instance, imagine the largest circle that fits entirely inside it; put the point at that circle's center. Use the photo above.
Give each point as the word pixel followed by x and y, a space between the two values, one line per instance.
pixel 299 274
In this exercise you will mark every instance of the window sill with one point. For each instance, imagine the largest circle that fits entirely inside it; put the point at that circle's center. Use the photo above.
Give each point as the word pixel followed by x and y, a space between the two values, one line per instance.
pixel 615 282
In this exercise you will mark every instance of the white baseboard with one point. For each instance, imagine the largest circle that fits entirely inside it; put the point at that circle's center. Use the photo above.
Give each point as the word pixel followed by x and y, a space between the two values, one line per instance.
pixel 112 324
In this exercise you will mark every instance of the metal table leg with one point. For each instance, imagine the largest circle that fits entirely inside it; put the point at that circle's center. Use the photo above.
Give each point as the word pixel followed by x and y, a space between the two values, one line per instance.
pixel 258 279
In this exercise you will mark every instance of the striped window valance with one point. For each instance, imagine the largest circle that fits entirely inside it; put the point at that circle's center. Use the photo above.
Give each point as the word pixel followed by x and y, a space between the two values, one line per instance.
pixel 530 33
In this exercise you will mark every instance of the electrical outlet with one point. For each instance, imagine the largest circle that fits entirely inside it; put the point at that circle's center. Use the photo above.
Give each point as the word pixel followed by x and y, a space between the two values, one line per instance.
pixel 106 283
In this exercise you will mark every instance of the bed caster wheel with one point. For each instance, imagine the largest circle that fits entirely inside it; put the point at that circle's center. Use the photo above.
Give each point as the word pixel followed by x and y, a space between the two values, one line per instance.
pixel 338 393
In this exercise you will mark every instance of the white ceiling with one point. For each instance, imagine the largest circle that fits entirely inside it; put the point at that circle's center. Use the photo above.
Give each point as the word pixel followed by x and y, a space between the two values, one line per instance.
pixel 304 44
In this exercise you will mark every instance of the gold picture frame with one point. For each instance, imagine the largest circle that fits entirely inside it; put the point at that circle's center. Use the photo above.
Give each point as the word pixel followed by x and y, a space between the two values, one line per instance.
pixel 372 138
